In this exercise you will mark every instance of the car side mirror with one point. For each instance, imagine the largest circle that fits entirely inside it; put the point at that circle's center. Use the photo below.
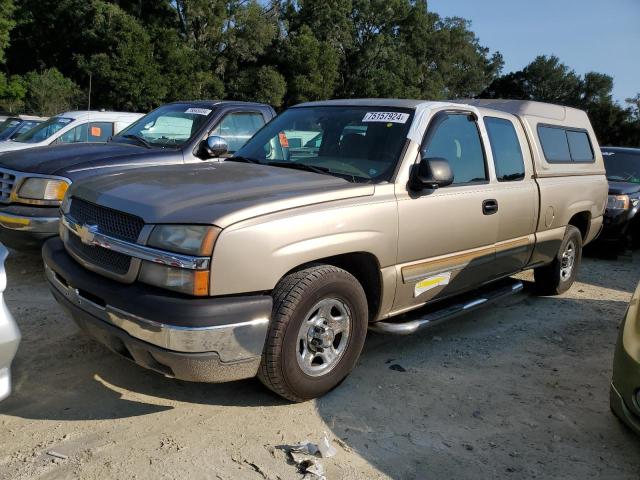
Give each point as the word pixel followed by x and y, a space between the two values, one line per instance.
pixel 431 173
pixel 213 147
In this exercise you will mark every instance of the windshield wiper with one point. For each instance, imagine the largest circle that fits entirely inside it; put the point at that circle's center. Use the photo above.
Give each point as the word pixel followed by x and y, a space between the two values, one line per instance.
pixel 138 138
pixel 302 166
pixel 242 159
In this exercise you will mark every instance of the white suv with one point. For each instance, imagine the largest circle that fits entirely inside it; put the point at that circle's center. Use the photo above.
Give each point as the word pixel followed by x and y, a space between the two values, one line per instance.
pixel 72 127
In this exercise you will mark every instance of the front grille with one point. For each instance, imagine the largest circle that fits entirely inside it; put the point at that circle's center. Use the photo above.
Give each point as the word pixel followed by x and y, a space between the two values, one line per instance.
pixel 7 180
pixel 109 222
pixel 115 262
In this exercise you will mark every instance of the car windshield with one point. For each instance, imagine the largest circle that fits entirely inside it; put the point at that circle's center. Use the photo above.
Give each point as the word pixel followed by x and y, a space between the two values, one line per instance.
pixel 167 126
pixel 6 127
pixel 622 167
pixel 44 130
pixel 360 144
pixel 25 127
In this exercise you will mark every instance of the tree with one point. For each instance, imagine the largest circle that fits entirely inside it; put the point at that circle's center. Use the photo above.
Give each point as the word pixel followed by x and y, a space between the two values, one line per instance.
pixel 13 91
pixel 125 74
pixel 49 92
pixel 105 41
pixel 6 24
pixel 634 106
pixel 547 79
pixel 311 66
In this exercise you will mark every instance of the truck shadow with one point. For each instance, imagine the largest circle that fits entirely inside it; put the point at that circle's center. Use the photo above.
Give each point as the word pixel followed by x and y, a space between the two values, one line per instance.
pixel 83 380
pixel 469 395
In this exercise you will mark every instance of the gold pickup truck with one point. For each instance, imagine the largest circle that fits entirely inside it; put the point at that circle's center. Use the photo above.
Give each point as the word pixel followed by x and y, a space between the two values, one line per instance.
pixel 335 218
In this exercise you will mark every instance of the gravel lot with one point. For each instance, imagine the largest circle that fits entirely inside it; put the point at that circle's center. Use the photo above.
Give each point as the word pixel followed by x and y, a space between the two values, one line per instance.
pixel 518 390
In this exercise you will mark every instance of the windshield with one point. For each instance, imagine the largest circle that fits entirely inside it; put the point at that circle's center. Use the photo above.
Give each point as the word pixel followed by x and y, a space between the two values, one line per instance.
pixel 168 126
pixel 361 144
pixel 7 127
pixel 622 167
pixel 44 130
pixel 25 127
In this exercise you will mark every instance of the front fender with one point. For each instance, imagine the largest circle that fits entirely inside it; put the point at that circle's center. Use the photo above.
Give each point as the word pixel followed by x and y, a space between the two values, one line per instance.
pixel 253 255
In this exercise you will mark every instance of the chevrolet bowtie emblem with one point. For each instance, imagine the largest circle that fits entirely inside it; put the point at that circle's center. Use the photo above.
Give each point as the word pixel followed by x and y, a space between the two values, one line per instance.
pixel 87 233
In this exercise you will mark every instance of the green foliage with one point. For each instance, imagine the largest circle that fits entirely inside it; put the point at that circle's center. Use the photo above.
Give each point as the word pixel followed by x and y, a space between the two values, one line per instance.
pixel 49 92
pixel 547 79
pixel 6 24
pixel 262 84
pixel 125 74
pixel 141 53
pixel 13 91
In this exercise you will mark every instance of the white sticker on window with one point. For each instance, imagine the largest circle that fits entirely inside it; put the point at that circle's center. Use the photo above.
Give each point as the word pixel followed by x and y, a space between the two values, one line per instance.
pixel 391 117
pixel 199 111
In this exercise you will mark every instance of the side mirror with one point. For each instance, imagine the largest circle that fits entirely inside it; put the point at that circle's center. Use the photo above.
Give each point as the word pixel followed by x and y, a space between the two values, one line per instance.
pixel 431 173
pixel 213 147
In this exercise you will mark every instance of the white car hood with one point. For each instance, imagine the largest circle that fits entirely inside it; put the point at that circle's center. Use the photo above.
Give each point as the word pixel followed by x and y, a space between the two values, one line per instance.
pixel 7 146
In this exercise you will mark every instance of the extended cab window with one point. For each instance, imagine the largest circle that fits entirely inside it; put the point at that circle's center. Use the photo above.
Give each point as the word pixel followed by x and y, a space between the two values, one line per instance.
pixel 505 146
pixel 455 137
pixel 563 145
pixel 238 127
pixel 359 144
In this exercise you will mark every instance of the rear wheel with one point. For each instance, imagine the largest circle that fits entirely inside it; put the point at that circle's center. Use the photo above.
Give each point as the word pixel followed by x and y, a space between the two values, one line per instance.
pixel 559 275
pixel 317 331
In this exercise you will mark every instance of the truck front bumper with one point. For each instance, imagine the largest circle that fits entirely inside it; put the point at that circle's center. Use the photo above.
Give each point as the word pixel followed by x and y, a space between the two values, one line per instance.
pixel 193 339
pixel 24 227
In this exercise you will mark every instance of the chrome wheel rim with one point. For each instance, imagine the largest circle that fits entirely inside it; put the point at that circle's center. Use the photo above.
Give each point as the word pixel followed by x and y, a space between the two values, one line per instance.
pixel 323 336
pixel 567 261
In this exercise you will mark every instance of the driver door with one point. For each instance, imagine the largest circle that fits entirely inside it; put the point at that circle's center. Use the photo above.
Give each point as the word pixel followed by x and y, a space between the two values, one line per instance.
pixel 447 235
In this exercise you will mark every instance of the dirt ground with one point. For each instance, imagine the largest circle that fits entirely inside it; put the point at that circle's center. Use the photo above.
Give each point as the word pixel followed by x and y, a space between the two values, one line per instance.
pixel 517 390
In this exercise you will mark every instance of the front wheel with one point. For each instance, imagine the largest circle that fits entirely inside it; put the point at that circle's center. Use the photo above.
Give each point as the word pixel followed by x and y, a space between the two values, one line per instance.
pixel 559 275
pixel 318 328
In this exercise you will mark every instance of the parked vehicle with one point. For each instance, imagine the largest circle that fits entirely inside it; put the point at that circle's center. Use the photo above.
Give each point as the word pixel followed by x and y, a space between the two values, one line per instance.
pixel 625 385
pixel 336 217
pixel 72 127
pixel 622 217
pixel 9 333
pixel 15 126
pixel 33 182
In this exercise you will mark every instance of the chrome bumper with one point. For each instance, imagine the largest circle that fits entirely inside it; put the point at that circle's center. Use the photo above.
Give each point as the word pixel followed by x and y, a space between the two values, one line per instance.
pixel 47 225
pixel 232 342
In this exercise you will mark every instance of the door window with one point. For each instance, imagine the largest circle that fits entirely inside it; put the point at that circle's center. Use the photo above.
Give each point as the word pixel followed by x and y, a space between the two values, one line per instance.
pixel 505 146
pixel 455 137
pixel 92 132
pixel 238 127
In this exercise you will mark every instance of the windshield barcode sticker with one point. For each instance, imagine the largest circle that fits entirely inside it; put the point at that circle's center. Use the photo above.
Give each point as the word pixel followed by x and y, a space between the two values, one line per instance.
pixel 199 111
pixel 393 117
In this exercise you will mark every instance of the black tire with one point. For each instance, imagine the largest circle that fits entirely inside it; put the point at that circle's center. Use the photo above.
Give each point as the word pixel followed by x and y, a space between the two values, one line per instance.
pixel 549 278
pixel 293 298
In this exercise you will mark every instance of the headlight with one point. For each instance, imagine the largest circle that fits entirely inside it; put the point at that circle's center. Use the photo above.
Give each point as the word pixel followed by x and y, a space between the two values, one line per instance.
pixel 43 190
pixel 188 239
pixel 191 282
pixel 196 240
pixel 618 202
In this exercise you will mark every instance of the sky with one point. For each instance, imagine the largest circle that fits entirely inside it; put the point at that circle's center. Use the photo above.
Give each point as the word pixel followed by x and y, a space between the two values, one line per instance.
pixel 587 35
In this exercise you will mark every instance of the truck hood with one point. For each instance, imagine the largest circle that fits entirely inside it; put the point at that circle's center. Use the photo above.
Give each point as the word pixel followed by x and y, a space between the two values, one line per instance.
pixel 212 193
pixel 621 188
pixel 64 160
pixel 9 145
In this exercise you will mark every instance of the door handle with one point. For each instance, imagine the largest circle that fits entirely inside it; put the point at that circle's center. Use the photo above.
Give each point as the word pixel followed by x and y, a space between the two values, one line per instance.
pixel 490 206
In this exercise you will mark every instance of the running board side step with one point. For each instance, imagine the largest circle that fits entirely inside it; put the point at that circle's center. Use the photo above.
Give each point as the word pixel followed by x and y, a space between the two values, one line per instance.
pixel 419 321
